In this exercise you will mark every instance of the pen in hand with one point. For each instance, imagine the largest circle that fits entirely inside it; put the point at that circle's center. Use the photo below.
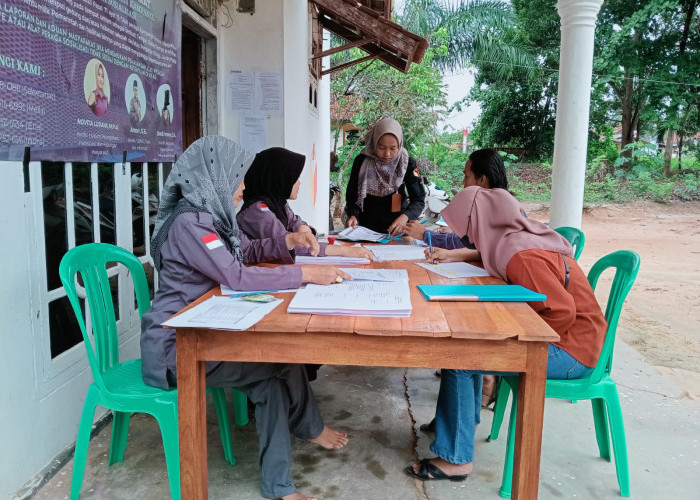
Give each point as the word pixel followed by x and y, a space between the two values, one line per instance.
pixel 430 244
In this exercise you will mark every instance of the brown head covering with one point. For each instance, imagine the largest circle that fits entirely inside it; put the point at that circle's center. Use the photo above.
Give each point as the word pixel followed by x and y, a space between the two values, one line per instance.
pixel 492 220
pixel 376 177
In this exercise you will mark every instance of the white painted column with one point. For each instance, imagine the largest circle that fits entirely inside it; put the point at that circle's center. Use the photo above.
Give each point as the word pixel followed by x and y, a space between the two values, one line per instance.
pixel 578 19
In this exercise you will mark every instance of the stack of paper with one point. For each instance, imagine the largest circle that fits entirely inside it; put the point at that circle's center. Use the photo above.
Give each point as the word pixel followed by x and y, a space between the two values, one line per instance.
pixel 224 313
pixel 361 274
pixel 332 260
pixel 454 269
pixel 350 298
pixel 397 252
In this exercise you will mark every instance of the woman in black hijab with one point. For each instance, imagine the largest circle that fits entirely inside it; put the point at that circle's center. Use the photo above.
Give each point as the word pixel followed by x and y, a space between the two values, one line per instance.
pixel 273 178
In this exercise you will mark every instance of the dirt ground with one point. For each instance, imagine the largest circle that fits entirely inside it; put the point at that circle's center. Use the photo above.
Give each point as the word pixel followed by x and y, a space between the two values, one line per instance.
pixel 661 316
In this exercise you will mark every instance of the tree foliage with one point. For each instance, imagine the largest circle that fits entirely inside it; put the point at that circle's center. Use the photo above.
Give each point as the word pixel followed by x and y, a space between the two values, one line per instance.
pixel 473 30
pixel 519 111
pixel 647 55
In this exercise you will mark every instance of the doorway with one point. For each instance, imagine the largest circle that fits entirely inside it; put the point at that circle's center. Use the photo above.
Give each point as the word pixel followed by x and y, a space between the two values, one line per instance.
pixel 191 87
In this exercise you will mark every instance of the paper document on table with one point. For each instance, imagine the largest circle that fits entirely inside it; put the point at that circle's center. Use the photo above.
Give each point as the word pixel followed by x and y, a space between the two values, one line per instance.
pixel 224 313
pixel 362 298
pixel 361 233
pixel 455 269
pixel 333 260
pixel 225 290
pixel 361 274
pixel 397 252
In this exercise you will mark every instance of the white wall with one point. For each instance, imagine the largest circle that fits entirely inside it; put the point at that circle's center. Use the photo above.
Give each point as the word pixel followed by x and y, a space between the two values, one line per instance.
pixel 277 40
pixel 41 398
pixel 40 410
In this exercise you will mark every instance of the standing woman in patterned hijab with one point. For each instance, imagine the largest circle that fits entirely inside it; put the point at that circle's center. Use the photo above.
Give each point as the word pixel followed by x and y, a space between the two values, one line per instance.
pixel 196 246
pixel 385 189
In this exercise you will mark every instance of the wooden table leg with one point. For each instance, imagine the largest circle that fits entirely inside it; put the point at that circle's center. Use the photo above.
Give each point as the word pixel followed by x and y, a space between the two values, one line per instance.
pixel 528 436
pixel 192 418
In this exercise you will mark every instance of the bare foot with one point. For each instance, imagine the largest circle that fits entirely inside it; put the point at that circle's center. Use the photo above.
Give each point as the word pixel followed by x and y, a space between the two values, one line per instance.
pixel 298 496
pixel 330 439
pixel 447 467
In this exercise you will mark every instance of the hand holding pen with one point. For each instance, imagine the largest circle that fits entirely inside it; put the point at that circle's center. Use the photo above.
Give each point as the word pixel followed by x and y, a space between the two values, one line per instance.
pixel 437 255
pixel 430 246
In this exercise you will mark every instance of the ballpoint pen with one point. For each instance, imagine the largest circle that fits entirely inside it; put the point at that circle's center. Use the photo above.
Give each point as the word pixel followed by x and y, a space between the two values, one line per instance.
pixel 258 292
pixel 430 244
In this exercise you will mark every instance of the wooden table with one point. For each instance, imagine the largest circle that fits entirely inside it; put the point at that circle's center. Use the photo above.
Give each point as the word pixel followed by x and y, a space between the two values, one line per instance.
pixel 494 336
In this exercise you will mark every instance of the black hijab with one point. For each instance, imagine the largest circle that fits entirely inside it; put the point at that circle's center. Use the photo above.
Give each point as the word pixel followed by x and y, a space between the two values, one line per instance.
pixel 271 178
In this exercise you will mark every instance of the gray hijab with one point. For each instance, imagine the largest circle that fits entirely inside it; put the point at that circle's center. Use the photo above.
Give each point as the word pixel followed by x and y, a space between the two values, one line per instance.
pixel 203 179
pixel 376 177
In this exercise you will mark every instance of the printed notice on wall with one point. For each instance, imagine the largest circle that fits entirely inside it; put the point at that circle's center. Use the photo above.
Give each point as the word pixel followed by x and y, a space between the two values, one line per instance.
pixel 256 93
pixel 253 133
pixel 268 93
pixel 90 80
pixel 241 88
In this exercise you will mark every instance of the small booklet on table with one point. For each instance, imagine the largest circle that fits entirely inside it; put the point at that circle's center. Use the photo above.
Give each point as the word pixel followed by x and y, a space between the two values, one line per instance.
pixel 480 293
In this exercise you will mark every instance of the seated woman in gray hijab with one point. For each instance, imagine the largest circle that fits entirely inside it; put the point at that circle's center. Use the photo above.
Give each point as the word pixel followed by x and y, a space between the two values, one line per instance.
pixel 196 246
pixel 385 190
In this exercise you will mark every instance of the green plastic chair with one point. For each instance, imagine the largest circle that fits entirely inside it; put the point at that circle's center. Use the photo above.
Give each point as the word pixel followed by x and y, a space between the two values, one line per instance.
pixel 598 386
pixel 574 236
pixel 120 386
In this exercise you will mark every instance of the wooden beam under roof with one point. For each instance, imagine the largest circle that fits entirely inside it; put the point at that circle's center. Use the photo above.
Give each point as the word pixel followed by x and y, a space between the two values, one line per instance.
pixel 369 30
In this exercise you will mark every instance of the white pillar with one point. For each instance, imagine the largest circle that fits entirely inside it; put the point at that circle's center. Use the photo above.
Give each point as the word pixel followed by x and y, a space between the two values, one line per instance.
pixel 578 19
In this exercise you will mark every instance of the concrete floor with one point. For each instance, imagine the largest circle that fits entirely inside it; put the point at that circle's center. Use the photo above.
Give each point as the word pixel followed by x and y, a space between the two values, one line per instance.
pixel 381 408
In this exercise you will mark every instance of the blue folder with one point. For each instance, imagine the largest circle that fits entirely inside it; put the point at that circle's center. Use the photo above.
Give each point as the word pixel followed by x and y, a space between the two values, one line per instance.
pixel 480 293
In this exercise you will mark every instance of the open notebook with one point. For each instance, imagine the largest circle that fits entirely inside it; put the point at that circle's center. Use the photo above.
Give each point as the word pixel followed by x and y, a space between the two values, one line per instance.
pixel 480 293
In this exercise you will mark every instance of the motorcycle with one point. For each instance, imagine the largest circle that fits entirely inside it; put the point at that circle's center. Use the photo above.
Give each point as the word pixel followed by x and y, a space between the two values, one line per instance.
pixel 436 199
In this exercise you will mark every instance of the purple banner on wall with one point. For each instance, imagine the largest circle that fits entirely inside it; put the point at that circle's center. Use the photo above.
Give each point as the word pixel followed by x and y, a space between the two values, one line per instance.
pixel 90 80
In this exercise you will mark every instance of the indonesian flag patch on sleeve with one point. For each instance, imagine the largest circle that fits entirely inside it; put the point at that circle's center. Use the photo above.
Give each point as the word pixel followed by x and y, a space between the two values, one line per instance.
pixel 212 241
pixel 416 172
pixel 264 207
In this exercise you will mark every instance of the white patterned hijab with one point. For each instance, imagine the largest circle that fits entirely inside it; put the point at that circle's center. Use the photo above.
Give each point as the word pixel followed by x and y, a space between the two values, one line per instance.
pixel 203 179
pixel 376 177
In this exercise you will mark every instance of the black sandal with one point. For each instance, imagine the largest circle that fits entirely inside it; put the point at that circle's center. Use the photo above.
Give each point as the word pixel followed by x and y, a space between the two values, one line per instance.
pixel 429 427
pixel 428 472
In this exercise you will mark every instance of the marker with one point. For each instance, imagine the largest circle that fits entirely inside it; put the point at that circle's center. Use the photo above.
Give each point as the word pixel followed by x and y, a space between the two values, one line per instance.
pixel 243 294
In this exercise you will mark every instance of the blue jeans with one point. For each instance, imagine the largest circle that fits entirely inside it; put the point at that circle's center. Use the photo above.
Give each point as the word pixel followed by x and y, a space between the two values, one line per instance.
pixel 459 404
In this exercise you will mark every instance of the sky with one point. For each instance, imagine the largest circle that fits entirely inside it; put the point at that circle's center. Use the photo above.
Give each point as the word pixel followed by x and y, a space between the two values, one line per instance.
pixel 458 86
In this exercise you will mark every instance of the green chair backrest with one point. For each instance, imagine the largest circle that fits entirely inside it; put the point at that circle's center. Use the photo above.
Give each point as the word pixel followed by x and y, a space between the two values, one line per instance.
pixel 574 236
pixel 626 264
pixel 90 261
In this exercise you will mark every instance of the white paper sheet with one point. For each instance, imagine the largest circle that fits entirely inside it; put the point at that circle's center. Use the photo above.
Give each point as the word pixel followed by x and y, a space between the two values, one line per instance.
pixel 253 133
pixel 397 252
pixel 361 298
pixel 224 313
pixel 228 291
pixel 362 274
pixel 361 233
pixel 333 260
pixel 454 269
pixel 269 93
pixel 241 89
